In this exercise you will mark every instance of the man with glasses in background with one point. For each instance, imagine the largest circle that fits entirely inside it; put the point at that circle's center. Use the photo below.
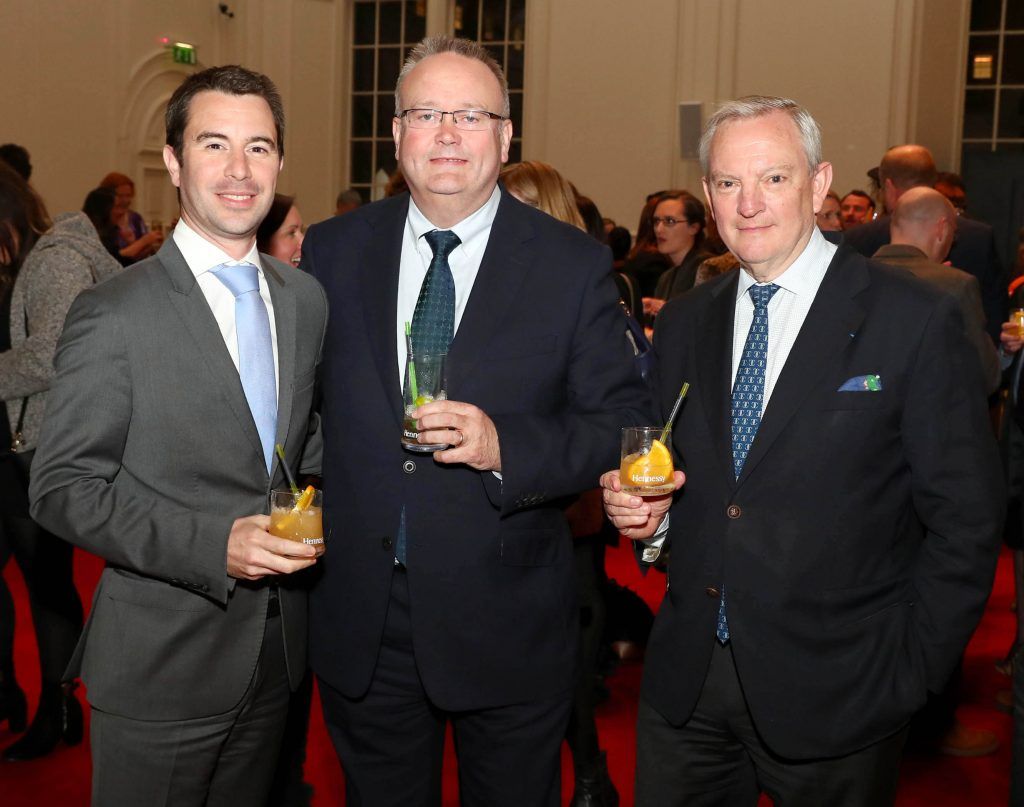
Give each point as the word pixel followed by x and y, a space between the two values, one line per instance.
pixel 449 592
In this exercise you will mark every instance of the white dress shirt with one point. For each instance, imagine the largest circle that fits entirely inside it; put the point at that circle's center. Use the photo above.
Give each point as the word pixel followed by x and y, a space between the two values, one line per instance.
pixel 202 256
pixel 787 311
pixel 473 231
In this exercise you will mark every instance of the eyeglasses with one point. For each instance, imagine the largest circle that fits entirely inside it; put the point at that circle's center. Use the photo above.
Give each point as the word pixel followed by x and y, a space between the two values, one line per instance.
pixel 668 221
pixel 468 120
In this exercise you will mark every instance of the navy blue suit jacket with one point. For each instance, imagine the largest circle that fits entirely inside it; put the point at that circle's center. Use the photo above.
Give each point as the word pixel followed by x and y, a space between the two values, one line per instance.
pixel 858 545
pixel 541 348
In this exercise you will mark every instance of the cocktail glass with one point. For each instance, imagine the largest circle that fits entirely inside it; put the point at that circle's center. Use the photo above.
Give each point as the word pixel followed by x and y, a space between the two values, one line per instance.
pixel 646 468
pixel 297 516
pixel 424 382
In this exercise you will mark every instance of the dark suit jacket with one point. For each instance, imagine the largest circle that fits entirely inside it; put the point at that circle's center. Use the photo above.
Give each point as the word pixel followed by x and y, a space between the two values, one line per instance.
pixel 964 288
pixel 858 545
pixel 680 279
pixel 973 251
pixel 148 454
pixel 541 348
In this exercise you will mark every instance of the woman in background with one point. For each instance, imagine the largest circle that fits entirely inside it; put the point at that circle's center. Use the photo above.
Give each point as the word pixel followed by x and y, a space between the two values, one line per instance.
pixel 281 232
pixel 133 240
pixel 541 186
pixel 63 261
pixel 679 221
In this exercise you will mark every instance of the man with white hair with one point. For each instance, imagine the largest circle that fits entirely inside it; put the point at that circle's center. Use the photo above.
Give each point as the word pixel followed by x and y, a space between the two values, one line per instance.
pixel 834 544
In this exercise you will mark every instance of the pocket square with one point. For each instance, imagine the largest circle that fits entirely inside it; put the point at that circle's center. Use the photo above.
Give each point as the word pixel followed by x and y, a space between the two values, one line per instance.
pixel 862 383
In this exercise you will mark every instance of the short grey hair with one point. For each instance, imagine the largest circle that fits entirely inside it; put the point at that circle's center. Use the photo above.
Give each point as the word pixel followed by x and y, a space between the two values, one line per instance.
pixel 434 45
pixel 756 106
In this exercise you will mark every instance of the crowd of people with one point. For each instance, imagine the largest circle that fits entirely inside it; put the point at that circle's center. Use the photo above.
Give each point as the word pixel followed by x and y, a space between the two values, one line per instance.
pixel 839 497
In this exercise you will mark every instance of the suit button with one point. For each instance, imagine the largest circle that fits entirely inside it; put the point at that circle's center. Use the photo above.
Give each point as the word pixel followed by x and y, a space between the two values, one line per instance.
pixel 734 511
pixel 385 542
pixel 409 467
pixel 711 591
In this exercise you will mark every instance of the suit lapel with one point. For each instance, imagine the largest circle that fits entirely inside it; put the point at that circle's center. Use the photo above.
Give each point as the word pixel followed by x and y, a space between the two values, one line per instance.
pixel 283 298
pixel 188 300
pixel 504 266
pixel 713 338
pixel 831 324
pixel 379 268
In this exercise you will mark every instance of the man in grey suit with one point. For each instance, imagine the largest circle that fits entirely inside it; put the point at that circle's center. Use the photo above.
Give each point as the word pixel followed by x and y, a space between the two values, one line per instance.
pixel 173 384
pixel 923 225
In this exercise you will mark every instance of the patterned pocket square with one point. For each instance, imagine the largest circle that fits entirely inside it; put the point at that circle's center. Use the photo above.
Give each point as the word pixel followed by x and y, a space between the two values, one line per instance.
pixel 862 383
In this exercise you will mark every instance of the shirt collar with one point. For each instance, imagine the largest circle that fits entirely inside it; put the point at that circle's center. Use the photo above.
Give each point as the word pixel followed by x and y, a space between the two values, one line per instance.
pixel 804 275
pixel 202 255
pixel 467 230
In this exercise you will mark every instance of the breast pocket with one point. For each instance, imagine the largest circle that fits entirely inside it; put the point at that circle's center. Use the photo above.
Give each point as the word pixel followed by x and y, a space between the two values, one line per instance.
pixel 525 348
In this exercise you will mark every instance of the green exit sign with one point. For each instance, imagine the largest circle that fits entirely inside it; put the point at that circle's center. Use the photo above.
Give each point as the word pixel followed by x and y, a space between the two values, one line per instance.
pixel 184 53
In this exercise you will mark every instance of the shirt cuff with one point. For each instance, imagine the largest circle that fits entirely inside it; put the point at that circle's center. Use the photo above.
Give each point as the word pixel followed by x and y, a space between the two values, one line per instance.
pixel 653 545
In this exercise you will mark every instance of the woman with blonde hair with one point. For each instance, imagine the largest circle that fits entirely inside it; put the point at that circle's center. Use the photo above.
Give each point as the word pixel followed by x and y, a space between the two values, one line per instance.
pixel 541 186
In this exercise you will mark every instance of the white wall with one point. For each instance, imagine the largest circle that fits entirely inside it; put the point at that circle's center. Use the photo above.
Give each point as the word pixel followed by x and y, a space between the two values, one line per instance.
pixel 84 86
pixel 84 83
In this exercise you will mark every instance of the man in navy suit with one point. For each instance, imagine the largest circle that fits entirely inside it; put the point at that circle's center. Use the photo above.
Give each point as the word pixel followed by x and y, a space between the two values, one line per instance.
pixel 449 593
pixel 974 248
pixel 834 544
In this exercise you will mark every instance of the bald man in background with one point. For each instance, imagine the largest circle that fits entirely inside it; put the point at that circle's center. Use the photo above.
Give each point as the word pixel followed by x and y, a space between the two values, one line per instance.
pixel 922 229
pixel 974 248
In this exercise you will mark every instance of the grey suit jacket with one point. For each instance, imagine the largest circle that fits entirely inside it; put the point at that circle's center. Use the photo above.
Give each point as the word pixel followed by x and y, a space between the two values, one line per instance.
pixel 967 291
pixel 148 454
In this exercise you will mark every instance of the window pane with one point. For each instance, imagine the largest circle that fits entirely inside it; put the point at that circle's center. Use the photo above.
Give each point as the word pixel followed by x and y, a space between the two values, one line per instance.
pixel 979 110
pixel 362 160
pixel 1013 59
pixel 389 62
pixel 386 157
pixel 385 114
pixel 364 23
pixel 498 53
pixel 493 28
pixel 415 20
pixel 391 21
pixel 985 14
pixel 362 116
pixel 1015 16
pixel 517 20
pixel 467 19
pixel 1011 113
pixel 514 68
pixel 982 53
pixel 515 100
pixel 362 69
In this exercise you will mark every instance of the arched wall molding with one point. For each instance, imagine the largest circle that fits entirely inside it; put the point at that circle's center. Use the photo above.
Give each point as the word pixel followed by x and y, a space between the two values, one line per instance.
pixel 152 81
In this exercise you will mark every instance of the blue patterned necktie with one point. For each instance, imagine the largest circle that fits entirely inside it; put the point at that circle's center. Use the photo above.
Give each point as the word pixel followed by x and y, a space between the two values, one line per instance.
pixel 433 321
pixel 255 350
pixel 747 401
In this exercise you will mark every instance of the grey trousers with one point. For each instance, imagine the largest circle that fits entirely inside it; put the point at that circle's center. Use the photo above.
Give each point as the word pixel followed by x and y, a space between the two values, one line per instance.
pixel 225 760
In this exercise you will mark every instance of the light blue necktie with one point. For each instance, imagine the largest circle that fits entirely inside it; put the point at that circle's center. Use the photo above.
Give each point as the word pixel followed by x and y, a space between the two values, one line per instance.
pixel 255 350
pixel 433 320
pixel 747 400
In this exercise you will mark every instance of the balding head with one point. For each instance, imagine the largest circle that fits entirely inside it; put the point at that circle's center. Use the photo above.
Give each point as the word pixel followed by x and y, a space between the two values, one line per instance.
pixel 925 219
pixel 903 168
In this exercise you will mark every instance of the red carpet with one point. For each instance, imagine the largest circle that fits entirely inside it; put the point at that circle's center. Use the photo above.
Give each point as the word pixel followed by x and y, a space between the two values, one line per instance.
pixel 63 778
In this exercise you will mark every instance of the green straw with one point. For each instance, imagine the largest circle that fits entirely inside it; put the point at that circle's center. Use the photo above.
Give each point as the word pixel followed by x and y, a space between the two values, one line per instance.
pixel 675 411
pixel 287 470
pixel 412 364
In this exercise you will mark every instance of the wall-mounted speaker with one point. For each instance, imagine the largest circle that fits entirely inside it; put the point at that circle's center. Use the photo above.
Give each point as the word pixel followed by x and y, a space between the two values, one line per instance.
pixel 691 122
